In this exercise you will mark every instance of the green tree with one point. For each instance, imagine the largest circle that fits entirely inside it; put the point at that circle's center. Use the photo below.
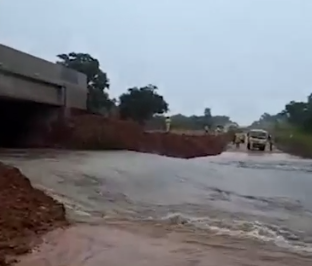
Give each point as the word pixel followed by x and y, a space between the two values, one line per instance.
pixel 208 117
pixel 221 120
pixel 294 114
pixel 299 114
pixel 141 104
pixel 207 113
pixel 193 122
pixel 97 80
pixel 266 121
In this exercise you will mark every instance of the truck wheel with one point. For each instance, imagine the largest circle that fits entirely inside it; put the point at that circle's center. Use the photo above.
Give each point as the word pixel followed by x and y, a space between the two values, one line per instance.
pixel 262 148
pixel 248 146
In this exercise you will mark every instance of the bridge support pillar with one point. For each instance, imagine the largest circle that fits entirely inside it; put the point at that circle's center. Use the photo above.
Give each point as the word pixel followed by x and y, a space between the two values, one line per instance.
pixel 64 112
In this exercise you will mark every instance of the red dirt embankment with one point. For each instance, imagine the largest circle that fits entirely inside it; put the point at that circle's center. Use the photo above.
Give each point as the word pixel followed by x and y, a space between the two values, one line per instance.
pixel 100 133
pixel 25 212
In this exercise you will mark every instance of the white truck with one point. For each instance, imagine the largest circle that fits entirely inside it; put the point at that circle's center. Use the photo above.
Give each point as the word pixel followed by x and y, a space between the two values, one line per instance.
pixel 257 139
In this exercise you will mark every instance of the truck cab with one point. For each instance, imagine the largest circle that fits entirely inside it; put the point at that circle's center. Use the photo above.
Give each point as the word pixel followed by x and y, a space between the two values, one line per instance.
pixel 257 139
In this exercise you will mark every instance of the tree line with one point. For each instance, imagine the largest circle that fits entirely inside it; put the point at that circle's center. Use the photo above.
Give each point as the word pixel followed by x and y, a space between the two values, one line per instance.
pixel 297 114
pixel 193 122
pixel 142 104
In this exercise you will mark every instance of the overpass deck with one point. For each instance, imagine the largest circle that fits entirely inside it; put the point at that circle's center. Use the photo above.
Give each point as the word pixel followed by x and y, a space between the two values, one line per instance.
pixel 25 77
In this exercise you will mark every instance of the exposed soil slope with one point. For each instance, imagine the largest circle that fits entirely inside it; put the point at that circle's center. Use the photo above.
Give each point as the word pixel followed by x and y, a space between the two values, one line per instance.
pixel 25 212
pixel 92 132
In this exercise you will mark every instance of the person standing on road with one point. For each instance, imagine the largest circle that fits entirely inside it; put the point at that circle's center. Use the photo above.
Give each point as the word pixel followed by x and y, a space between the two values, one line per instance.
pixel 270 142
pixel 237 140
pixel 168 123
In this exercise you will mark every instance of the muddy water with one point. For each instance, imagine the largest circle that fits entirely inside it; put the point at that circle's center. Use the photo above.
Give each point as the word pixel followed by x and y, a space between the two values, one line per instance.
pixel 175 210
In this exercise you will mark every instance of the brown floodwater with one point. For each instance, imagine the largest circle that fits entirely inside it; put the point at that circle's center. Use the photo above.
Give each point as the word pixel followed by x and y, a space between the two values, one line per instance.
pixel 87 245
pixel 237 208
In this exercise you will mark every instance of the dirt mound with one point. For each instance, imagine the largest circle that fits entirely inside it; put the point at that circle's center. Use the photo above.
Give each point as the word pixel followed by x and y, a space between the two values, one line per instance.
pixel 25 212
pixel 183 146
pixel 100 133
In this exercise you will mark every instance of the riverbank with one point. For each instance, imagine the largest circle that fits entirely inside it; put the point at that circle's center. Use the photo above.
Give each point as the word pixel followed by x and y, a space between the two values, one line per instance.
pixel 25 214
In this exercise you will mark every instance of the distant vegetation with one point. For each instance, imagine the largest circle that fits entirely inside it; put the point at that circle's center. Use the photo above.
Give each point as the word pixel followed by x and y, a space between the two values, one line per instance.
pixel 292 127
pixel 193 122
pixel 141 104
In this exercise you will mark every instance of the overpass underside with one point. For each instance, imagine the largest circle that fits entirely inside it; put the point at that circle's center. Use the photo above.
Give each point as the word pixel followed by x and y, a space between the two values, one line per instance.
pixel 28 107
pixel 34 93
pixel 24 123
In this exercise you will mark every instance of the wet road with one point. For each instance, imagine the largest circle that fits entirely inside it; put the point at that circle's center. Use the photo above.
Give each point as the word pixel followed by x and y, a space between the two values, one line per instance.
pixel 247 196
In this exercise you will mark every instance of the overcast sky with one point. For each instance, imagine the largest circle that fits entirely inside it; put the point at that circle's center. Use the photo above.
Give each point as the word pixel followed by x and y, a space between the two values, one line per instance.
pixel 239 57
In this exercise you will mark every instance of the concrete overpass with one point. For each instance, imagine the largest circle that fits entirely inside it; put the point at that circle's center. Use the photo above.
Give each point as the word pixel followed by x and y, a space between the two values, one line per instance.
pixel 26 77
pixel 32 89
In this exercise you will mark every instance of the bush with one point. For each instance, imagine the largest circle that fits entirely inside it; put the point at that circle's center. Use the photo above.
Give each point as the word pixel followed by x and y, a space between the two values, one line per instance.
pixel 294 141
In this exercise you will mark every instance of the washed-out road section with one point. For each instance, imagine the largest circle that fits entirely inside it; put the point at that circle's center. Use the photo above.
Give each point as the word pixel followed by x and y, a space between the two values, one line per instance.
pixel 237 208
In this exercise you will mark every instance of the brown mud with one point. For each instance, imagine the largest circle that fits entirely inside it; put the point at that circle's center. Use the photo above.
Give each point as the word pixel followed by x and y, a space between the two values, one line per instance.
pixel 93 132
pixel 25 213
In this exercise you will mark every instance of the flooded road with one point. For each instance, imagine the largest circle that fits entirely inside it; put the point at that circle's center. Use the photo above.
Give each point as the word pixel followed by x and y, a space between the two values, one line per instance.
pixel 246 197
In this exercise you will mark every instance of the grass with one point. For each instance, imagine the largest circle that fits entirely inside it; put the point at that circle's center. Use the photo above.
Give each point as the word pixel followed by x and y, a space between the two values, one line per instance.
pixel 294 141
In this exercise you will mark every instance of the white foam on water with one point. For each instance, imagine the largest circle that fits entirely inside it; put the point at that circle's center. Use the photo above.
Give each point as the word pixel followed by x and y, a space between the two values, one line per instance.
pixel 242 229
